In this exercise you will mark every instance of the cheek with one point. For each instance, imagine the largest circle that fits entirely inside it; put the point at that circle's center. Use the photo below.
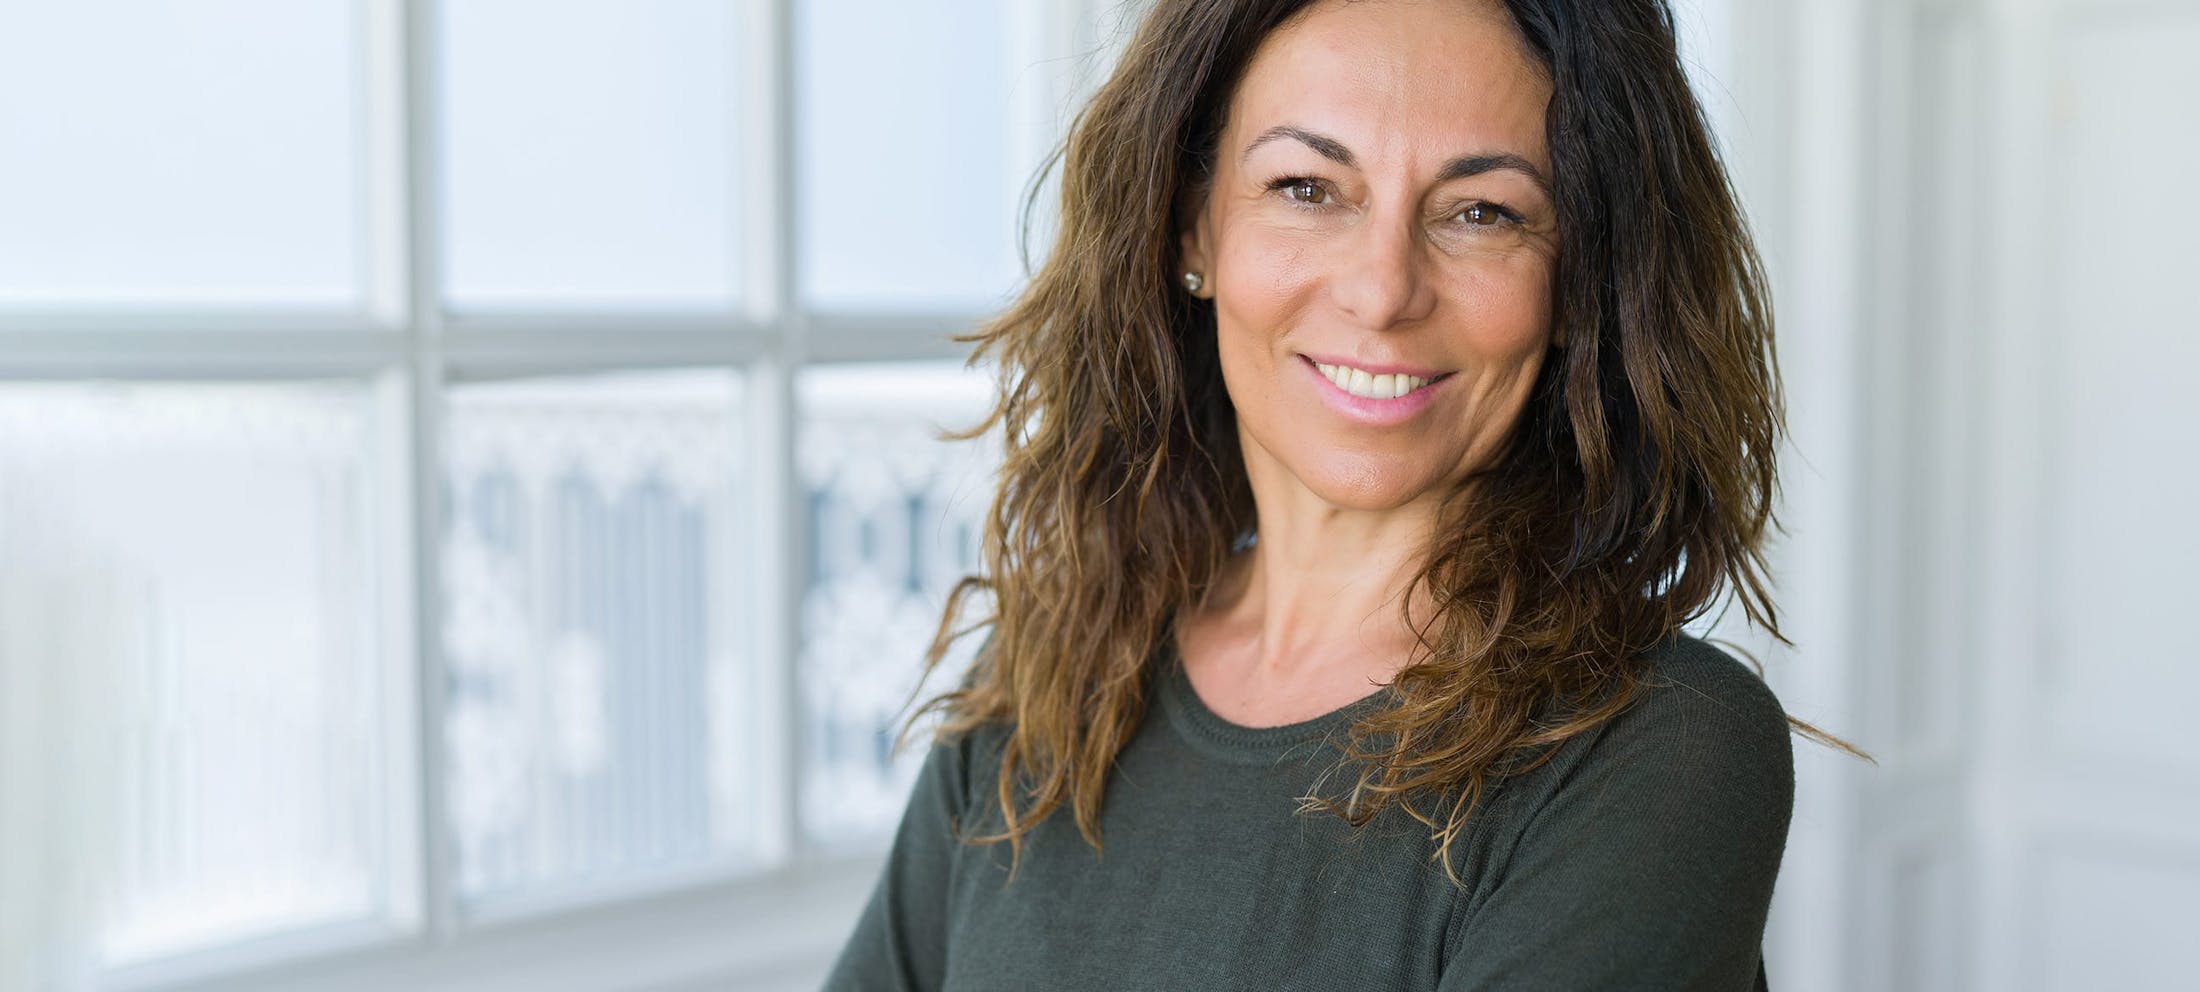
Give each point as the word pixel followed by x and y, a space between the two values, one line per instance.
pixel 1507 307
pixel 1265 273
pixel 1261 284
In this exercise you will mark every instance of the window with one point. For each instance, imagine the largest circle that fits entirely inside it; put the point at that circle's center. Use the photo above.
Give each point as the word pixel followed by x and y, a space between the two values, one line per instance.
pixel 476 461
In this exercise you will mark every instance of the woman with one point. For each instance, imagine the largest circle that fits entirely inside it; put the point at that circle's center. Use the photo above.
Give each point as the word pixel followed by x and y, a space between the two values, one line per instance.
pixel 1399 383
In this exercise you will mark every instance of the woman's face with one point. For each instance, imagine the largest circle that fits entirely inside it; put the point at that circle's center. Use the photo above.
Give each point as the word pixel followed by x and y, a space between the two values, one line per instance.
pixel 1381 209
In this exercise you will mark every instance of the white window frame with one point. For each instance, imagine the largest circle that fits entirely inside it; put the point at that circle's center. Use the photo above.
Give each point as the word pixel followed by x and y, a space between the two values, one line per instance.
pixel 760 929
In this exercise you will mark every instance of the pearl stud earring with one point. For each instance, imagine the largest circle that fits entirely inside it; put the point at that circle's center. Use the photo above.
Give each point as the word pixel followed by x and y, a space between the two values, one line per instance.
pixel 1192 281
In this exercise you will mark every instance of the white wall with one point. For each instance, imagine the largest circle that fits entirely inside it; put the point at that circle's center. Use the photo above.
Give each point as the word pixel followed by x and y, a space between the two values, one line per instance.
pixel 1976 213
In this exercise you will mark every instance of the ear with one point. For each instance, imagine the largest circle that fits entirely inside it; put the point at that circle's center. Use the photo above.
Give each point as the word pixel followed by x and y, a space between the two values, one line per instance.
pixel 1193 256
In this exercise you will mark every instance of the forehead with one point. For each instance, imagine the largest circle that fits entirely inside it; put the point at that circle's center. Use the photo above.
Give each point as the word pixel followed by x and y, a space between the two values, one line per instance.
pixel 1397 78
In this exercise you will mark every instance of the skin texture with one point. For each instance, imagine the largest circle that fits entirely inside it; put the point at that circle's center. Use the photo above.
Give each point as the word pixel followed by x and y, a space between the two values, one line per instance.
pixel 1380 262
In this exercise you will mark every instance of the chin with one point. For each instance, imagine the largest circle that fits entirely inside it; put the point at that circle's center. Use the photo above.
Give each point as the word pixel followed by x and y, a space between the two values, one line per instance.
pixel 1359 483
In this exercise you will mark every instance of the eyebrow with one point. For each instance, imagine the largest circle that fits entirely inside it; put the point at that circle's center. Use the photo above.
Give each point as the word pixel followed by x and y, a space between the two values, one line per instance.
pixel 1458 168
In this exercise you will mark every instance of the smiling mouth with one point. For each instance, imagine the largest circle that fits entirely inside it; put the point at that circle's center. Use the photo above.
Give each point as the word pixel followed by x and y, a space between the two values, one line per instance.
pixel 1361 383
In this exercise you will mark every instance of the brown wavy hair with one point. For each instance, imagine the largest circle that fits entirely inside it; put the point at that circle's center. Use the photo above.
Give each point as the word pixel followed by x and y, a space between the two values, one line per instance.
pixel 1631 497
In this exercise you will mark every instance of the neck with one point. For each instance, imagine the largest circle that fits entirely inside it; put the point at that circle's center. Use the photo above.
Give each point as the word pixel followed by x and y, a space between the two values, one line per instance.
pixel 1321 585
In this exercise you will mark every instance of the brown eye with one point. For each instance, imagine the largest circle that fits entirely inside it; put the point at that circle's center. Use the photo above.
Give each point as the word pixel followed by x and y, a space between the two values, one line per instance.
pixel 1482 215
pixel 1306 191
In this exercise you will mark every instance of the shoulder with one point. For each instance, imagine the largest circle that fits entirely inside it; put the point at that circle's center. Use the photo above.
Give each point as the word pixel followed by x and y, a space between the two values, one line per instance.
pixel 1703 723
pixel 1693 685
pixel 1704 729
pixel 961 768
pixel 1700 756
pixel 1689 674
pixel 1656 837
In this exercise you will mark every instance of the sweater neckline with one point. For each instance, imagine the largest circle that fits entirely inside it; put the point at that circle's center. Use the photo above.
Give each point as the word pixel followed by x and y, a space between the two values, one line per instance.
pixel 1203 727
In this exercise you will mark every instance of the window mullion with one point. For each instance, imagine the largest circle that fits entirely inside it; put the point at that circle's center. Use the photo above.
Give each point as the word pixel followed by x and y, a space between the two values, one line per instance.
pixel 422 241
pixel 778 520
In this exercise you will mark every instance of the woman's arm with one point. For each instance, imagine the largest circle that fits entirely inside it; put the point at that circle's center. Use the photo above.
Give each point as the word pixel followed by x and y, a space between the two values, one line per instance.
pixel 1651 864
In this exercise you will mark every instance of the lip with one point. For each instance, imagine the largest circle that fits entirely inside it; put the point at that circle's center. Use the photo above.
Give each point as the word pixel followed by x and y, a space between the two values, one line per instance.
pixel 1376 369
pixel 1375 413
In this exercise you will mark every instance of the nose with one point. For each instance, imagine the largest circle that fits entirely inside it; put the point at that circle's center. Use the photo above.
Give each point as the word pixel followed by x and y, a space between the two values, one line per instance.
pixel 1379 281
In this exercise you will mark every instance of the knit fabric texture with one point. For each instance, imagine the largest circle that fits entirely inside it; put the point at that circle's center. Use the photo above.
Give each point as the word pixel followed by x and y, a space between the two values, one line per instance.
pixel 1642 855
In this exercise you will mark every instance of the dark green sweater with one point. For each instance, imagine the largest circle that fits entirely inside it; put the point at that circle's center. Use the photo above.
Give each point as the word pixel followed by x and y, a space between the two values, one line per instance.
pixel 1642 856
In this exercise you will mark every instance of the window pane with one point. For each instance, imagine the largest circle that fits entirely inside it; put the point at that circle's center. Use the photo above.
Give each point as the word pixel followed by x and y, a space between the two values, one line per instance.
pixel 895 520
pixel 907 192
pixel 179 152
pixel 599 715
pixel 189 588
pixel 590 152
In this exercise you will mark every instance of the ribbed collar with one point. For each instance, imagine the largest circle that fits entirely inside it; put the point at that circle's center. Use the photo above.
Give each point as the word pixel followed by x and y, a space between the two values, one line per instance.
pixel 1218 737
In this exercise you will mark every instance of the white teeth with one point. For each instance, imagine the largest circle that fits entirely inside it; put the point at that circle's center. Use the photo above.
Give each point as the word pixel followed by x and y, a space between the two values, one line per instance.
pixel 1373 387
